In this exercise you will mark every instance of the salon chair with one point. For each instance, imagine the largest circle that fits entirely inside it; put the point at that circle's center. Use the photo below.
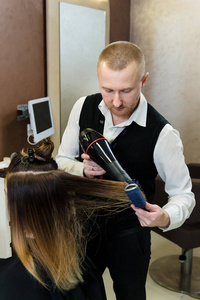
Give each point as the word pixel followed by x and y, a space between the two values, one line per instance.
pixel 180 273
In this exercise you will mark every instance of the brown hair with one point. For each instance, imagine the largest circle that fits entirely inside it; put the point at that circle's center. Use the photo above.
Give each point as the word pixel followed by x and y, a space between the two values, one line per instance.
pixel 48 214
pixel 118 55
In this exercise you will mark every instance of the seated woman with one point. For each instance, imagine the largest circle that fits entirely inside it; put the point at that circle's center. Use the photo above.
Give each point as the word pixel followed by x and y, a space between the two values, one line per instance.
pixel 48 222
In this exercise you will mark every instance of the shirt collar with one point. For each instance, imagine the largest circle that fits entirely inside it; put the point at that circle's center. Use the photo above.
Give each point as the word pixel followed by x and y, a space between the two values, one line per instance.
pixel 139 116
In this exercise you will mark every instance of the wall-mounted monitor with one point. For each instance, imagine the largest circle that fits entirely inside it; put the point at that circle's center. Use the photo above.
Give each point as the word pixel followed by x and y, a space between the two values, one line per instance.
pixel 41 120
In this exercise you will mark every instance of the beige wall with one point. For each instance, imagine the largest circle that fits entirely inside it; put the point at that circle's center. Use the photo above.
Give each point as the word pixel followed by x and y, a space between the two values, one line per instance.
pixel 169 34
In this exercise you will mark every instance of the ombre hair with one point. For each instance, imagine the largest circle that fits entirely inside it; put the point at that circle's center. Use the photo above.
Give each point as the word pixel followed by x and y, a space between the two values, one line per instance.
pixel 118 55
pixel 49 210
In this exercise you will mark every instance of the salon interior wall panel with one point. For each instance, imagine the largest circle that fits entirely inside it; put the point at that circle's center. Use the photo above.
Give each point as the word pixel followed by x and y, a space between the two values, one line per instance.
pixel 22 67
pixel 169 34
pixel 82 38
pixel 119 20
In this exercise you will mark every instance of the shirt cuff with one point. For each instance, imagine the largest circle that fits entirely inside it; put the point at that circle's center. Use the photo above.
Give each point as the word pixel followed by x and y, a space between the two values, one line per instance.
pixel 173 213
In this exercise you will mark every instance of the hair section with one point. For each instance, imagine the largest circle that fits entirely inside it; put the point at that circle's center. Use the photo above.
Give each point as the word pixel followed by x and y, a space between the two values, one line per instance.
pixel 49 210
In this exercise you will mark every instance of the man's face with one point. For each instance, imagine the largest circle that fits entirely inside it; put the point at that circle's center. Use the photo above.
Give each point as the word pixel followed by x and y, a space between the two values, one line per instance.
pixel 120 90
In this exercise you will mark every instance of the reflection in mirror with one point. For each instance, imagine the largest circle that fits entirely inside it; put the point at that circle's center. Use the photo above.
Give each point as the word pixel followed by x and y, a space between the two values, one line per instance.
pixel 82 37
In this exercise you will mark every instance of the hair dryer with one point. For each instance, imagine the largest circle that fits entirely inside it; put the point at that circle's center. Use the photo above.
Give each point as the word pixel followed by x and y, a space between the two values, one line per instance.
pixel 98 148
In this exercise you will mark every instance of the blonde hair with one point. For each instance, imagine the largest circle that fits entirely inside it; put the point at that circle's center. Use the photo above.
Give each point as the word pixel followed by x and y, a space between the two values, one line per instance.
pixel 119 55
pixel 49 210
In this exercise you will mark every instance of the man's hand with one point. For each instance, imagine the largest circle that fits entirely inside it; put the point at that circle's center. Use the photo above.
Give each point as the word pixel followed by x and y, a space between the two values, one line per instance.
pixel 154 217
pixel 90 168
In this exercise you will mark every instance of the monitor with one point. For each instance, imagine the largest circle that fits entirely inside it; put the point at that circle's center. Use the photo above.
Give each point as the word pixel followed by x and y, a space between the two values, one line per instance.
pixel 41 120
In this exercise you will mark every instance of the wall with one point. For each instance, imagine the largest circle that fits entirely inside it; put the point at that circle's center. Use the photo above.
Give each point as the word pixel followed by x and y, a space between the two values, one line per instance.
pixel 119 20
pixel 168 33
pixel 22 67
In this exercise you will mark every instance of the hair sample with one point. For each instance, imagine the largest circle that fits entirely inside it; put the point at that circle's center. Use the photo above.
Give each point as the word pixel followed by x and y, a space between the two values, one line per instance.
pixel 46 232
pixel 49 210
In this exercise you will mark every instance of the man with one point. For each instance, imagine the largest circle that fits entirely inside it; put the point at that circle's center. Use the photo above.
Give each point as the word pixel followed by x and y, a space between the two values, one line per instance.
pixel 145 144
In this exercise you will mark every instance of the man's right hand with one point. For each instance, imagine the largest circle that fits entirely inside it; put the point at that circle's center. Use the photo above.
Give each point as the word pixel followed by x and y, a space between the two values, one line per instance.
pixel 90 168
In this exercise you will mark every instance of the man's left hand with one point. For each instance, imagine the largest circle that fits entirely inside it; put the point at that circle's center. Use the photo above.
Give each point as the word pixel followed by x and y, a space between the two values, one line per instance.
pixel 153 216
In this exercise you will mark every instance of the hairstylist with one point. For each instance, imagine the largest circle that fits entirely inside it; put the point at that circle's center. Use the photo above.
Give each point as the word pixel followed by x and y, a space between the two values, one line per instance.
pixel 145 144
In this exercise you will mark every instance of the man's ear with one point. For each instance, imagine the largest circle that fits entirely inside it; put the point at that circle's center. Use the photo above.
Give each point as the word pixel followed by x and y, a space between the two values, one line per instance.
pixel 144 79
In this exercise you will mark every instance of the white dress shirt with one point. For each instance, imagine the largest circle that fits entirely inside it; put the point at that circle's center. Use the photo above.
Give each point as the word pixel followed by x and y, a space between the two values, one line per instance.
pixel 168 157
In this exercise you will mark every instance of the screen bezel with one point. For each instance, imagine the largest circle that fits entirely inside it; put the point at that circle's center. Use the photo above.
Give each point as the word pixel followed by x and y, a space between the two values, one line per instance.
pixel 46 133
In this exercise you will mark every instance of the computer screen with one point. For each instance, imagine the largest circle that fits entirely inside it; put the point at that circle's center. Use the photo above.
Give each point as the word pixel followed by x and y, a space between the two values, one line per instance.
pixel 41 120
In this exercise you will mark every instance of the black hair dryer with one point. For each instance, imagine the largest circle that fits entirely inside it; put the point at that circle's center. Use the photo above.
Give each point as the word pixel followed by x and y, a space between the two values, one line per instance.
pixel 98 148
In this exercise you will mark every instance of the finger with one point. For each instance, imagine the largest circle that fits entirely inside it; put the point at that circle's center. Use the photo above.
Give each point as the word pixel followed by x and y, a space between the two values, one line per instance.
pixel 85 156
pixel 133 207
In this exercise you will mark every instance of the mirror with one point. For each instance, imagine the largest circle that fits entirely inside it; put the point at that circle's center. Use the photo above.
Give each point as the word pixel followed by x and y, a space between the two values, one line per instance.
pixel 77 31
pixel 82 37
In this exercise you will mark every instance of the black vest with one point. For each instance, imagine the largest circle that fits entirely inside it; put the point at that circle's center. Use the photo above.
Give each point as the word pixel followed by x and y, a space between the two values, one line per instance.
pixel 133 147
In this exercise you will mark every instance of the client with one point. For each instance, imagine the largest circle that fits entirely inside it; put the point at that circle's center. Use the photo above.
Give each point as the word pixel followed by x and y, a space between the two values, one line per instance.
pixel 48 222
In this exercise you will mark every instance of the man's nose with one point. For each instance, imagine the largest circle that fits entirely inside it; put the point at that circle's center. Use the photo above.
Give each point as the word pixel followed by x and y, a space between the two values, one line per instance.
pixel 117 102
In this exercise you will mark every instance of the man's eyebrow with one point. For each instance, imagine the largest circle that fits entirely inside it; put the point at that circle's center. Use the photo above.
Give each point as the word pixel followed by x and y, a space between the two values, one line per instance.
pixel 127 89
pixel 106 88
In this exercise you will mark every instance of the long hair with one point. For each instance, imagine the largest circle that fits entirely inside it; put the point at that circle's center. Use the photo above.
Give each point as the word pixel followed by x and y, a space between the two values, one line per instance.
pixel 48 212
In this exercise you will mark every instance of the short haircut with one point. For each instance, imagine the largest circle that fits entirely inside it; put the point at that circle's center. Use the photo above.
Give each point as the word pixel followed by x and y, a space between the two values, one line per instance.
pixel 119 55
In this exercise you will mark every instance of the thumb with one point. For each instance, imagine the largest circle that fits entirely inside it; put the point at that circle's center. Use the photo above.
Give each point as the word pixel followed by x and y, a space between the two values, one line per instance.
pixel 85 156
pixel 148 206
